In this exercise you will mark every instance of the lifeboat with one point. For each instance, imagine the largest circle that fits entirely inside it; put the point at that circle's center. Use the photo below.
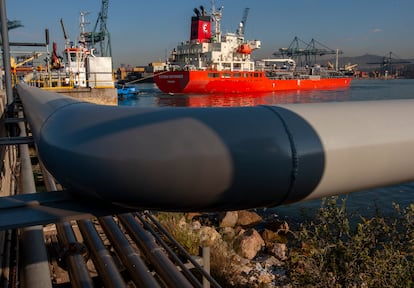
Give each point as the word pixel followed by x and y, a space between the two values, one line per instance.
pixel 244 49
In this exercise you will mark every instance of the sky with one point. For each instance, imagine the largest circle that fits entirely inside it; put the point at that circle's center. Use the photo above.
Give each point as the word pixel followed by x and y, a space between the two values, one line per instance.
pixel 146 31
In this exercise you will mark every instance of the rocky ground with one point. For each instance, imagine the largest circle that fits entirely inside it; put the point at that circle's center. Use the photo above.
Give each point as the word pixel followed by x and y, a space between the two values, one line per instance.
pixel 246 250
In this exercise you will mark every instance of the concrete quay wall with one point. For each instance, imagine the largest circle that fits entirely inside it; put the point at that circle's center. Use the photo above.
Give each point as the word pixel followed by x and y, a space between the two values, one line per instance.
pixel 102 96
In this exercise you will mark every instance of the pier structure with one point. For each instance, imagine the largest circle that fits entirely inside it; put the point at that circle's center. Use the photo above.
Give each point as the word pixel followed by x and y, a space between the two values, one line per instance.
pixel 102 164
pixel 102 167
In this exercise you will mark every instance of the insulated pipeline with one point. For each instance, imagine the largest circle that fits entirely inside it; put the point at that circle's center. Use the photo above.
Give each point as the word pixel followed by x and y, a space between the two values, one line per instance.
pixel 220 158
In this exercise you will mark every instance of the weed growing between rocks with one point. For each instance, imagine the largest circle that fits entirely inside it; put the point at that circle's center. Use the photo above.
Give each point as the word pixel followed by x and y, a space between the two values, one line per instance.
pixel 328 252
pixel 183 232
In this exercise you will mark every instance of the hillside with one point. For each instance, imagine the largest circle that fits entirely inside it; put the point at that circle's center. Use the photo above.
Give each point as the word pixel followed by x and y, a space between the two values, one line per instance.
pixel 367 58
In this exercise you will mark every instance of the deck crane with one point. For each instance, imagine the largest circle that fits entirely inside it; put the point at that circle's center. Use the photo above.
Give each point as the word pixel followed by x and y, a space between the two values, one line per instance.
pixel 242 25
pixel 102 36
pixel 64 33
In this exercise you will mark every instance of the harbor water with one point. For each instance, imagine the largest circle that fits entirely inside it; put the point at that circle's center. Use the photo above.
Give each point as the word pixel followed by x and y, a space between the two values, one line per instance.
pixel 366 203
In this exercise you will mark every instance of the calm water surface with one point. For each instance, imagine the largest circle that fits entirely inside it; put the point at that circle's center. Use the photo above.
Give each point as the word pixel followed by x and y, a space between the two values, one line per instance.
pixel 364 202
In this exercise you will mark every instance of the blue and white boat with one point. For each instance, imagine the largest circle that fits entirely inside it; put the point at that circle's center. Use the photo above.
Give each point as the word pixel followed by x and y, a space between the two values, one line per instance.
pixel 126 90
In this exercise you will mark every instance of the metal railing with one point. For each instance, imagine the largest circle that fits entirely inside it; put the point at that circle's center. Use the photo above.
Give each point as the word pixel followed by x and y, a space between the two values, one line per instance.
pixel 51 81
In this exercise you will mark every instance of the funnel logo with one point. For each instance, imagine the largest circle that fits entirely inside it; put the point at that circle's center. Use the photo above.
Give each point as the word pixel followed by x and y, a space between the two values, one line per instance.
pixel 205 30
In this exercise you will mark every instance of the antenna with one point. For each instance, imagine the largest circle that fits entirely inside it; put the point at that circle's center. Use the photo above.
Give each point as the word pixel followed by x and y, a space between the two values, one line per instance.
pixel 217 15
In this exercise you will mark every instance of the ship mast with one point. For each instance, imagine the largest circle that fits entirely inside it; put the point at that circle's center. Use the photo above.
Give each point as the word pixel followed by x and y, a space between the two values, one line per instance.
pixel 217 15
pixel 82 27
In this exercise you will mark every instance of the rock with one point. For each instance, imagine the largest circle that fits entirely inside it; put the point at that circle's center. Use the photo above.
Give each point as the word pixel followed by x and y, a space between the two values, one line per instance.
pixel 269 237
pixel 278 226
pixel 195 225
pixel 244 269
pixel 248 244
pixel 276 233
pixel 182 223
pixel 272 261
pixel 248 219
pixel 279 250
pixel 191 215
pixel 228 233
pixel 208 236
pixel 265 278
pixel 229 219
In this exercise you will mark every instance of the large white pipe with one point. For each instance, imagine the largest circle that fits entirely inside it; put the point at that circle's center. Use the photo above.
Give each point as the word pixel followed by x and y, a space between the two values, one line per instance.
pixel 366 144
pixel 221 158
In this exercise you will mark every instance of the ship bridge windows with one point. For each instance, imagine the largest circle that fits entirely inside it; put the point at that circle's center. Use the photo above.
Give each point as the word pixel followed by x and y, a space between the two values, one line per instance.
pixel 226 66
pixel 237 66
pixel 213 75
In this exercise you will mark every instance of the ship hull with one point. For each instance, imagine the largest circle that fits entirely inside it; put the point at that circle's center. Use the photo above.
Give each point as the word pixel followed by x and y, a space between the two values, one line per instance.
pixel 196 82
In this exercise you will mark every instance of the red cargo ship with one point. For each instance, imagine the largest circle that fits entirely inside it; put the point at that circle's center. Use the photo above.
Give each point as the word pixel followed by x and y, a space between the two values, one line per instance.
pixel 214 63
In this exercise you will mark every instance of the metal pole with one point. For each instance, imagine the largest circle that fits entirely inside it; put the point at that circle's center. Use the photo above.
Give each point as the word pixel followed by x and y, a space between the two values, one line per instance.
pixel 206 265
pixel 6 52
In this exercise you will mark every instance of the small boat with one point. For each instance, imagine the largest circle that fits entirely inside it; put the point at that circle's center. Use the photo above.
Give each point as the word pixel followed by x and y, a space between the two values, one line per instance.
pixel 212 62
pixel 126 90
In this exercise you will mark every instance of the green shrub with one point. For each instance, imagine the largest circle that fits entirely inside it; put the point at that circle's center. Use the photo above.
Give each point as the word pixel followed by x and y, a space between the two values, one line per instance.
pixel 329 252
pixel 177 225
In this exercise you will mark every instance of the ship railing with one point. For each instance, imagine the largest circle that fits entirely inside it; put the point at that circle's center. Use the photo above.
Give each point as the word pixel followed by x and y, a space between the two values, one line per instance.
pixel 280 74
pixel 62 81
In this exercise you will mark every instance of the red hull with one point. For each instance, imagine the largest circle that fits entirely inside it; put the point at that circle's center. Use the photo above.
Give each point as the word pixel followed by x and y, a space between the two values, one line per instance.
pixel 202 82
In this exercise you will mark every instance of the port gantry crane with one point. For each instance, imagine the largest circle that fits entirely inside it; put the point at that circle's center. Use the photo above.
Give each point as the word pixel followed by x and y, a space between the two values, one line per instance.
pixel 308 51
pixel 13 24
pixel 388 62
pixel 102 36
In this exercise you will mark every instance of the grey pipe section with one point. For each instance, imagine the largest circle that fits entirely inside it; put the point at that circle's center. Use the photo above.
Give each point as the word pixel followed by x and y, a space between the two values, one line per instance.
pixel 103 260
pixel 174 257
pixel 5 260
pixel 221 158
pixel 138 271
pixel 162 264
pixel 36 270
pixel 78 271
